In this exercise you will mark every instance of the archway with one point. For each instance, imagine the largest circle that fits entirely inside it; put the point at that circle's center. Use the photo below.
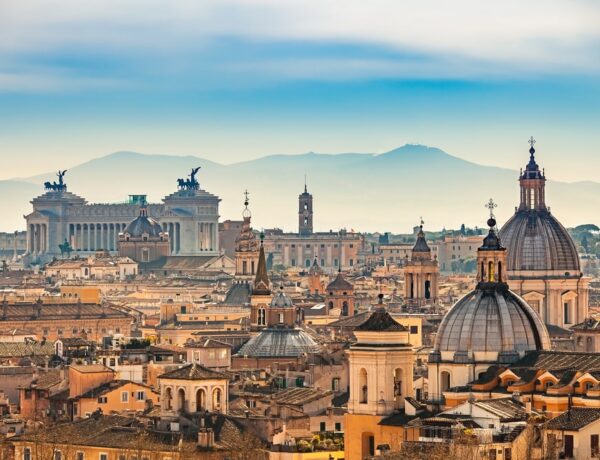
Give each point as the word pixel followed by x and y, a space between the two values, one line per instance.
pixel 181 400
pixel 200 400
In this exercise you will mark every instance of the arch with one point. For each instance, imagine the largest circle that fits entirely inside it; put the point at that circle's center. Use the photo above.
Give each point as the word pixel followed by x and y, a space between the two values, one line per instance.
pixel 491 274
pixel 330 304
pixel 363 384
pixel 262 316
pixel 500 271
pixel 398 378
pixel 217 399
pixel 345 308
pixel 168 399
pixel 181 400
pixel 200 400
pixel 445 381
pixel 427 289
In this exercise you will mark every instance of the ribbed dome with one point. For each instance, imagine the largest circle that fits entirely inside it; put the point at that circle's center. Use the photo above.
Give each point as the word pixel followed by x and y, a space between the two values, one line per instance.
pixel 535 240
pixel 281 300
pixel 491 320
pixel 143 224
pixel 280 343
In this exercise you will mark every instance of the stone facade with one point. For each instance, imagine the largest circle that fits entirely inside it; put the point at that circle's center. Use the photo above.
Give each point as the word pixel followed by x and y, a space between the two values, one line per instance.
pixel 190 217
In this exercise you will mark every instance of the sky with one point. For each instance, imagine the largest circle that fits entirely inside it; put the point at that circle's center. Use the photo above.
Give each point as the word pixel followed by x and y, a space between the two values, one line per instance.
pixel 233 80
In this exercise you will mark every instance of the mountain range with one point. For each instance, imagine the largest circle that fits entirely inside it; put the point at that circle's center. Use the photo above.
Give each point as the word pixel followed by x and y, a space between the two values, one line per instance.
pixel 360 191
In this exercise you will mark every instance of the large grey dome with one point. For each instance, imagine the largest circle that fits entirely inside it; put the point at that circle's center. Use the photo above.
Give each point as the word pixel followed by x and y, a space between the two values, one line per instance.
pixel 282 342
pixel 491 320
pixel 535 240
pixel 143 224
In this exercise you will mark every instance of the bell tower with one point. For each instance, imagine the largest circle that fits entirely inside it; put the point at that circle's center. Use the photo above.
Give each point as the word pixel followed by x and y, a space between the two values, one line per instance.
pixel 305 212
pixel 421 274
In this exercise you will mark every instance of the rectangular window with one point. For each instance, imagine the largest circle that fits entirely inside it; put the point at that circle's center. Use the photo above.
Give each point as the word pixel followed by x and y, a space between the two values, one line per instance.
pixel 141 395
pixel 80 456
pixel 57 455
pixel 322 426
pixel 566 313
pixel 594 445
pixel 338 426
pixel 103 456
pixel 102 400
pixel 27 453
pixel 124 396
pixel 414 329
pixel 335 384
pixel 293 262
pixel 351 262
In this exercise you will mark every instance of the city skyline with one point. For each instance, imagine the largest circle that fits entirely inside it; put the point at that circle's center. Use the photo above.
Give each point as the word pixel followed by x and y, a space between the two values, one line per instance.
pixel 210 80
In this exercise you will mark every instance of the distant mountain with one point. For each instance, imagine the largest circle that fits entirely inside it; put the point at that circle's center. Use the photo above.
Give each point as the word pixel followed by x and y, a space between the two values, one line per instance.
pixel 366 192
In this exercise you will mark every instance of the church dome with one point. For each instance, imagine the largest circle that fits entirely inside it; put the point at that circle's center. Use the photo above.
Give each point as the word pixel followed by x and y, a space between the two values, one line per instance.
pixel 143 224
pixel 533 237
pixel 535 240
pixel 491 323
pixel 492 320
pixel 281 300
pixel 285 343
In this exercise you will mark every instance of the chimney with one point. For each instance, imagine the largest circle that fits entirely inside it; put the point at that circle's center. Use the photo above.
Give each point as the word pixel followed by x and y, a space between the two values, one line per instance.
pixel 206 438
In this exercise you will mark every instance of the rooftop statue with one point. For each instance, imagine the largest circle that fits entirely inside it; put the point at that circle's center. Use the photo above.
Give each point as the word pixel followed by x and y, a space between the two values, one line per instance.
pixel 191 183
pixel 57 187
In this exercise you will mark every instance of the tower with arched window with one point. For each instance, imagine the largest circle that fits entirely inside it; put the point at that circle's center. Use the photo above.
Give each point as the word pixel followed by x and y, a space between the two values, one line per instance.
pixel 305 213
pixel 421 274
pixel 339 294
pixel 193 389
pixel 246 247
pixel 261 292
pixel 381 377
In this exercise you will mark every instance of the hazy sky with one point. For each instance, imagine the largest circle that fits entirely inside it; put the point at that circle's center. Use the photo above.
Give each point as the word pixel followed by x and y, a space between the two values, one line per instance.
pixel 231 80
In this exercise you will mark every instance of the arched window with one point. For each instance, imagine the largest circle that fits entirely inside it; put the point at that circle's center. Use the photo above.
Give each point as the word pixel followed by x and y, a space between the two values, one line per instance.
pixel 398 383
pixel 345 308
pixel 181 400
pixel 330 304
pixel 363 385
pixel 491 274
pixel 200 400
pixel 445 381
pixel 217 399
pixel 589 346
pixel 427 289
pixel 262 321
pixel 168 399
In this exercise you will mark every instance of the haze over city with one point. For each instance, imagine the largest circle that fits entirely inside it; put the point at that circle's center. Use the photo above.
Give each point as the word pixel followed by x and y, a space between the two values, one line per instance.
pixel 299 230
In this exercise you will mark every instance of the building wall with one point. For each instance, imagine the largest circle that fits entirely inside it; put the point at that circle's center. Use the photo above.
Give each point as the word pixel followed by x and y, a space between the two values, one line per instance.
pixel 190 218
pixel 115 401
pixel 293 250
pixel 80 382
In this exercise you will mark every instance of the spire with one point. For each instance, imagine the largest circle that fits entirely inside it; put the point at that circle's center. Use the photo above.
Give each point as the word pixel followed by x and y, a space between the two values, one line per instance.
pixel 421 249
pixel 261 282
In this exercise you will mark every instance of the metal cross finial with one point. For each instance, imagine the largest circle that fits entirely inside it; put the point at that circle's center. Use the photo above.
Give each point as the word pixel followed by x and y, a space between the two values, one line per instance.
pixel 246 193
pixel 491 205
pixel 531 141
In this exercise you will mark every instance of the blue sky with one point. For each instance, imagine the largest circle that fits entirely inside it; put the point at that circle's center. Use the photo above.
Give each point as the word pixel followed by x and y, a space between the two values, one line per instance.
pixel 232 80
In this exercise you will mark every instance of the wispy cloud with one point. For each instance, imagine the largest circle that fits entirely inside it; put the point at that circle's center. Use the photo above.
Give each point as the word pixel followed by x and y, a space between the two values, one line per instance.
pixel 408 39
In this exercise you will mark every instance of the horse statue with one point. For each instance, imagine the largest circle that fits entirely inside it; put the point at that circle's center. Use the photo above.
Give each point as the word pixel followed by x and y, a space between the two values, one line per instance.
pixel 57 187
pixel 191 183
pixel 65 248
